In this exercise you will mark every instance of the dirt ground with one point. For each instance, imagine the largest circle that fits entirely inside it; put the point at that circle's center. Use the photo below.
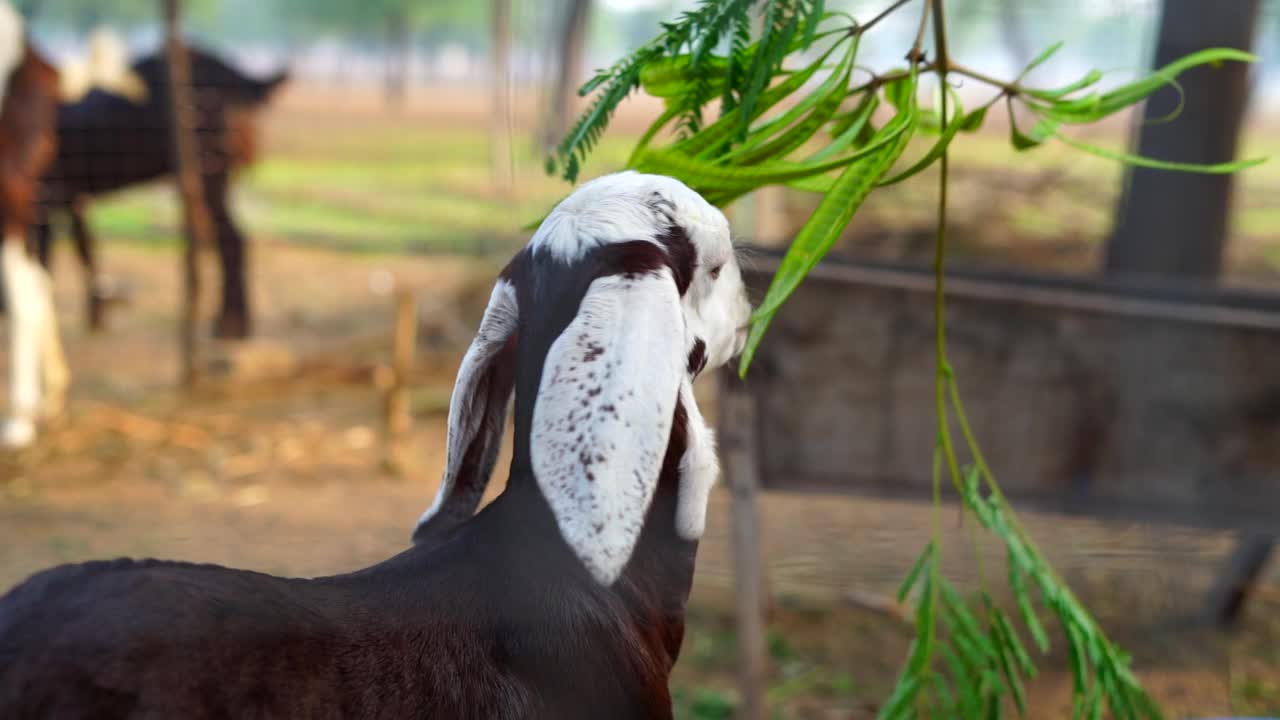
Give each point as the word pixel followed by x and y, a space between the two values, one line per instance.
pixel 283 468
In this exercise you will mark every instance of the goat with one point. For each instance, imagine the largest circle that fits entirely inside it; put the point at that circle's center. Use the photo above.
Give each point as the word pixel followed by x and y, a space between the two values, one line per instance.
pixel 562 598
pixel 108 142
pixel 38 375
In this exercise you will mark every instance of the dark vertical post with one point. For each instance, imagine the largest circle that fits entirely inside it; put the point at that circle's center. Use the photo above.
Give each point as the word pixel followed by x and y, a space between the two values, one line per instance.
pixel 197 226
pixel 1238 577
pixel 571 49
pixel 738 443
pixel 1174 224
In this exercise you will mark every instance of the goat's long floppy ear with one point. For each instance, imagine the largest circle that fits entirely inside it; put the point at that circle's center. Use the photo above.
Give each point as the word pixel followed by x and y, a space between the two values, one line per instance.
pixel 477 414
pixel 604 412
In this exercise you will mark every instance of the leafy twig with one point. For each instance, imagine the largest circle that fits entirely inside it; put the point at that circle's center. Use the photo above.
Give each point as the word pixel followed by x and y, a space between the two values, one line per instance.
pixel 965 662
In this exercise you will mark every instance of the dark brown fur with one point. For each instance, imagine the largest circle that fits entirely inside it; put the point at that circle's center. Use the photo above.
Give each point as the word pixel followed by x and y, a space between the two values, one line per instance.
pixel 488 616
pixel 28 140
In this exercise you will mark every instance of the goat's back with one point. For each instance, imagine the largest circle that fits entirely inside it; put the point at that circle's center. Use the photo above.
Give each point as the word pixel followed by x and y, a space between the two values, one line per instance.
pixel 471 628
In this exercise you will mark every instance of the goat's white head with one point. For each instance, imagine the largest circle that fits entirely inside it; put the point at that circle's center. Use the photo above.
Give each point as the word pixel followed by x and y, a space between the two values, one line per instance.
pixel 660 299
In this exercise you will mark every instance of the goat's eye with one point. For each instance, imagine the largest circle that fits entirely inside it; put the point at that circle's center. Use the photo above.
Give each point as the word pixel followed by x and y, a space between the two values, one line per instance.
pixel 715 271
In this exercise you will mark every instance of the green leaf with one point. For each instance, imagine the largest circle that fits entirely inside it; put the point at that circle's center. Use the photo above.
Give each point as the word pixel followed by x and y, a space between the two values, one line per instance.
pixel 820 233
pixel 1090 79
pixel 1127 95
pixel 1005 657
pixel 843 120
pixel 1093 708
pixel 899 704
pixel 944 700
pixel 1014 643
pixel 900 92
pixel 816 15
pixel 1079 668
pixel 1040 59
pixel 1019 140
pixel 1140 161
pixel 963 622
pixel 930 157
pixel 728 126
pixel 775 42
pixel 1024 605
pixel 820 184
pixel 926 629
pixel 850 131
pixel 971 122
pixel 926 558
pixel 672 77
pixel 702 174
pixel 1044 129
pixel 826 101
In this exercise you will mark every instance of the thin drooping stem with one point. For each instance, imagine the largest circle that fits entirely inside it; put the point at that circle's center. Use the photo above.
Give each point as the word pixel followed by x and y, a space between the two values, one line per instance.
pixel 941 59
pixel 939 261
pixel 916 53
pixel 1011 89
pixel 883 14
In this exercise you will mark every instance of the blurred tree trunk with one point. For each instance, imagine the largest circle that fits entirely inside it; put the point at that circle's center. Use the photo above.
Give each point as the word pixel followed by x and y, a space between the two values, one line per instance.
pixel 1014 32
pixel 398 49
pixel 572 44
pixel 1174 224
pixel 500 109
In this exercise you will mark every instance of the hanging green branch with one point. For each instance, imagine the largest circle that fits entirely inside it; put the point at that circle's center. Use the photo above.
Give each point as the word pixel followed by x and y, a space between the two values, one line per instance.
pixel 968 658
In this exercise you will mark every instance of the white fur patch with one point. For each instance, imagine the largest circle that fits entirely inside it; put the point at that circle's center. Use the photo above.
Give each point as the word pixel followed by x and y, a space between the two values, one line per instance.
pixel 620 208
pixel 12 44
pixel 602 419
pixel 106 67
pixel 32 337
pixel 699 469
pixel 499 322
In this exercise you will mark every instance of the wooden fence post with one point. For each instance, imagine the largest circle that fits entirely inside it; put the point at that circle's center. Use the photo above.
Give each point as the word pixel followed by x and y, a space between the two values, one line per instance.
pixel 188 171
pixel 403 345
pixel 741 452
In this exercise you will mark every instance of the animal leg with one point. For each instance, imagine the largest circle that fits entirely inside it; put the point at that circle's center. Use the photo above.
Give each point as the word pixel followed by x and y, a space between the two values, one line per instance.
pixel 53 359
pixel 95 285
pixel 233 319
pixel 27 299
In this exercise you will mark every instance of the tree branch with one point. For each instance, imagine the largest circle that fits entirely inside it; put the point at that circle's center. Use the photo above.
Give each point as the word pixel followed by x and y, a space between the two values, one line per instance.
pixel 884 14
pixel 939 40
pixel 916 53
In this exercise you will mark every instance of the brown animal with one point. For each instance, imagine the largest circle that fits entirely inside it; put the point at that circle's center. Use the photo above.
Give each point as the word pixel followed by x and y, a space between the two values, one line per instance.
pixel 38 375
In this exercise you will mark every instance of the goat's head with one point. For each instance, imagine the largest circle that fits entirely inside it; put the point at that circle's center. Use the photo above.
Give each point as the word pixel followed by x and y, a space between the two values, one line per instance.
pixel 627 291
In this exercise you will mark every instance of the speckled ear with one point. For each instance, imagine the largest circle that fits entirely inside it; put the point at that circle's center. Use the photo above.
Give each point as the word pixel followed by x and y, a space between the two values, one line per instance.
pixel 604 412
pixel 477 413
